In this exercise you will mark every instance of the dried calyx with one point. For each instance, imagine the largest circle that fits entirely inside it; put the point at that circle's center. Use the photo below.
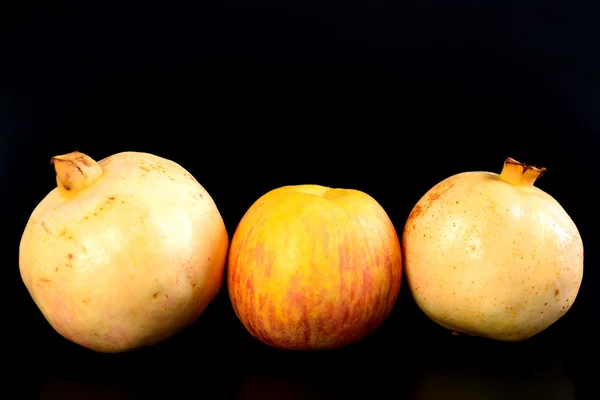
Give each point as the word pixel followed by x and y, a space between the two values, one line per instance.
pixel 520 174
pixel 75 172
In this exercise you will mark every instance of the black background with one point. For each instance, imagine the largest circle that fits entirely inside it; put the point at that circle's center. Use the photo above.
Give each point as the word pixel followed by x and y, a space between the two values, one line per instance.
pixel 384 97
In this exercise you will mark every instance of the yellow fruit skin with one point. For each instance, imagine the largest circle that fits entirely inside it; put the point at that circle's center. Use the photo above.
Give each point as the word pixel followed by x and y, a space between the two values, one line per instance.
pixel 489 258
pixel 129 261
pixel 314 268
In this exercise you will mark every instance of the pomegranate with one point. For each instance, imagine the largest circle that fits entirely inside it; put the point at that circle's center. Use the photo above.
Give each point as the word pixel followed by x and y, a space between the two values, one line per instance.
pixel 492 255
pixel 124 252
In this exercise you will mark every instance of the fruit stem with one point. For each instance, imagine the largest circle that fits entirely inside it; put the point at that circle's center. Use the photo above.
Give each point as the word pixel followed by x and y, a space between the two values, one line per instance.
pixel 520 174
pixel 75 172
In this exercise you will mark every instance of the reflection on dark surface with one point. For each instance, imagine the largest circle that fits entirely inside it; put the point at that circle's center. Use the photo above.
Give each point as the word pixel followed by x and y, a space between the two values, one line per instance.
pixel 547 380
pixel 59 387
pixel 474 384
pixel 276 387
pixel 197 365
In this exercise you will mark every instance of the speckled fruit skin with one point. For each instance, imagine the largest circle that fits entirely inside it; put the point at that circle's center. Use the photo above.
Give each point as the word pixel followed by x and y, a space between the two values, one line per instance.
pixel 127 260
pixel 491 255
pixel 314 268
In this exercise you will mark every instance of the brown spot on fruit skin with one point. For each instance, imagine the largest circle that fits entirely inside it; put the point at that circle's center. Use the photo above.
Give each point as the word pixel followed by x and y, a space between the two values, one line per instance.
pixel 424 203
pixel 46 228
pixel 438 191
pixel 556 292
pixel 434 196
pixel 68 264
pixel 418 210
pixel 155 295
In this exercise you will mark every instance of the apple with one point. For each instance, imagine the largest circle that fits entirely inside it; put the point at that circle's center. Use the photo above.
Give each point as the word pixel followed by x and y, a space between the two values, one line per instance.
pixel 314 268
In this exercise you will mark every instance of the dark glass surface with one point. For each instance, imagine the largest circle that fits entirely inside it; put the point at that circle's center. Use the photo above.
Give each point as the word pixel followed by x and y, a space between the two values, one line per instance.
pixel 249 96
